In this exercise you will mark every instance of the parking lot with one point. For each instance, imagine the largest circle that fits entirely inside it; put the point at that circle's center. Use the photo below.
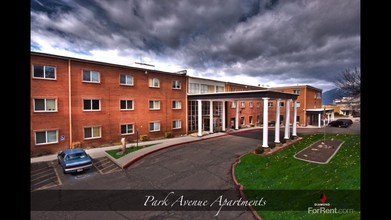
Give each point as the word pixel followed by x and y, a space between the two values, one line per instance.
pixel 49 174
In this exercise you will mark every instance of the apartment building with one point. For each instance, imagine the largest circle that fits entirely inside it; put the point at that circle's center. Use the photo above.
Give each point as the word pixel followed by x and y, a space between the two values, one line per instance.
pixel 90 103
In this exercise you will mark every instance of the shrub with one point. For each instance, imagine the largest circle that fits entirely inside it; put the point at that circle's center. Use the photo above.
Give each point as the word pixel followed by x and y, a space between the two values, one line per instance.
pixel 168 134
pixel 259 150
pixel 144 137
pixel 252 125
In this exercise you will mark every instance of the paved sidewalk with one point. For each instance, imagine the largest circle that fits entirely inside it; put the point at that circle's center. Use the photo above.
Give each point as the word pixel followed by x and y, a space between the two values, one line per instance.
pixel 128 159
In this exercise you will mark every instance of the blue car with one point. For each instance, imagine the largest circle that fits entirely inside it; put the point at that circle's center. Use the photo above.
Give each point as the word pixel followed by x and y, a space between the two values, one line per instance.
pixel 74 160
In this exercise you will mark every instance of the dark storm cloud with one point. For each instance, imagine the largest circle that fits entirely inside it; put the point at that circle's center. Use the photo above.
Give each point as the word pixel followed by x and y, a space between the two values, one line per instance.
pixel 269 39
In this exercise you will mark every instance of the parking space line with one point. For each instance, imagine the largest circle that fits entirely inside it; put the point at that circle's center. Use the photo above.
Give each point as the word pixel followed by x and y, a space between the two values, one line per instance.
pixel 41 176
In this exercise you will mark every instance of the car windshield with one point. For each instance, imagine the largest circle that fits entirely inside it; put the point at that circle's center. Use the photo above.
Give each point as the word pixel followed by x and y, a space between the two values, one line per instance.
pixel 75 156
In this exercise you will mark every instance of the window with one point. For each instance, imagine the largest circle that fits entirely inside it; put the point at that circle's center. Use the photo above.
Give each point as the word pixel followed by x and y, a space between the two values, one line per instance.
pixel 242 104
pixel 154 126
pixel 126 80
pixel 176 84
pixel 219 88
pixel 44 72
pixel 46 137
pixel 258 104
pixel 92 132
pixel 154 82
pixel 204 88
pixel 297 104
pixel 126 104
pixel 296 91
pixel 194 88
pixel 176 104
pixel 318 95
pixel 282 104
pixel 127 129
pixel 270 104
pixel 154 105
pixel 250 104
pixel 176 124
pixel 232 89
pixel 258 119
pixel 45 105
pixel 233 104
pixel 91 76
pixel 91 104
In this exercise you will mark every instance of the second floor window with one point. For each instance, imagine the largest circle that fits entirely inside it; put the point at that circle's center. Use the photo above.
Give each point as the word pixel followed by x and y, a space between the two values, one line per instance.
pixel 270 104
pixel 154 105
pixel 91 104
pixel 176 104
pixel 250 104
pixel 45 105
pixel 126 105
pixel 126 80
pixel 233 104
pixel 44 72
pixel 242 104
pixel 296 91
pixel 154 82
pixel 91 76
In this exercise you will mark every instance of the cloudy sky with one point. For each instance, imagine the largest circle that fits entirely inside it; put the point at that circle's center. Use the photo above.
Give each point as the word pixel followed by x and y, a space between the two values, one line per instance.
pixel 267 42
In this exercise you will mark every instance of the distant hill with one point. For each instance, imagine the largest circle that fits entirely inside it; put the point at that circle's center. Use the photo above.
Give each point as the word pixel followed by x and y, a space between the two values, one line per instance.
pixel 330 95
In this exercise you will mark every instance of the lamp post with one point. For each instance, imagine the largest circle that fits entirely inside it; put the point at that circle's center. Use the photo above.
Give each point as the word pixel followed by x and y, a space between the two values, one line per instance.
pixel 136 137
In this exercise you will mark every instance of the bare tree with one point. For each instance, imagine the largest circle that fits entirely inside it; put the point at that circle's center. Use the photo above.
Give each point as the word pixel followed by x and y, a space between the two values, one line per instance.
pixel 349 81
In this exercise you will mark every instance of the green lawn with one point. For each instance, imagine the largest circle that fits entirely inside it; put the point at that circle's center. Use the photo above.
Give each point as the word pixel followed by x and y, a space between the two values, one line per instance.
pixel 128 150
pixel 281 171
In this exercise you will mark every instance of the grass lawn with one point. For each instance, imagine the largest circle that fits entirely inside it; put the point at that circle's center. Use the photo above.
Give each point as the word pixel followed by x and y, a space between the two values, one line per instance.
pixel 281 171
pixel 128 150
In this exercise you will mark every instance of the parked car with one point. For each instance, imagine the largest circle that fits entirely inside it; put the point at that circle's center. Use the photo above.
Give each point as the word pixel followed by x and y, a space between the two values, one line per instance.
pixel 341 123
pixel 74 160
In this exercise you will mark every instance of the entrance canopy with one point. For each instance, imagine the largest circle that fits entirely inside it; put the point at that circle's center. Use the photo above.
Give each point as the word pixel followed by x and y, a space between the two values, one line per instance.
pixel 252 94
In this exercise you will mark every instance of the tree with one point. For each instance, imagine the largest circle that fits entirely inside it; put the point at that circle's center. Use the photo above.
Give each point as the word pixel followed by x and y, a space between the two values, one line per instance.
pixel 349 81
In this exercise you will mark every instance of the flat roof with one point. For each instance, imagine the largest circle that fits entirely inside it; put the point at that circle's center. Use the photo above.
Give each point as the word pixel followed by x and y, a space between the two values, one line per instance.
pixel 318 109
pixel 297 86
pixel 251 94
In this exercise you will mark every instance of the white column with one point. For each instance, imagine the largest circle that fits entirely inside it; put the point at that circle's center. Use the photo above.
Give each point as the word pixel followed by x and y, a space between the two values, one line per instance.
pixel 328 118
pixel 319 120
pixel 332 115
pixel 277 126
pixel 237 115
pixel 287 119
pixel 265 122
pixel 223 117
pixel 211 117
pixel 294 126
pixel 199 118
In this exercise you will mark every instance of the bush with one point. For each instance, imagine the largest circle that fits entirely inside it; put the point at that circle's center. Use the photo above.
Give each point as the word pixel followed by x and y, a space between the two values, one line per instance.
pixel 259 150
pixel 252 125
pixel 144 137
pixel 168 134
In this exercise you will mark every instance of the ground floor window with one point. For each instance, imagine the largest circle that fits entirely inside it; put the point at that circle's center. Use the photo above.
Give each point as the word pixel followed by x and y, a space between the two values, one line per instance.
pixel 154 126
pixel 46 137
pixel 92 132
pixel 127 129
pixel 250 119
pixel 176 124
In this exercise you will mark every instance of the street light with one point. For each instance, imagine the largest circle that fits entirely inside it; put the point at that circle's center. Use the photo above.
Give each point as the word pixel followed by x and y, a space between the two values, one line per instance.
pixel 136 137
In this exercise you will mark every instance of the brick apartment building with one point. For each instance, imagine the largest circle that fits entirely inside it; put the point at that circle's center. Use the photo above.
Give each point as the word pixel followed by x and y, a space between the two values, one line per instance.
pixel 96 104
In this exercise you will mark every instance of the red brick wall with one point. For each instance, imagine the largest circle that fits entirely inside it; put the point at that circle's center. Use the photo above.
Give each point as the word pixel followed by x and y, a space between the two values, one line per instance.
pixel 109 92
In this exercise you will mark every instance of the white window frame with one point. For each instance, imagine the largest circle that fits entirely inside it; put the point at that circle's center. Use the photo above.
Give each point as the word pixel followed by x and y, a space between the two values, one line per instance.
pixel 250 104
pixel 154 122
pixel 270 104
pixel 44 72
pixel 154 101
pixel 258 104
pixel 176 83
pixel 178 122
pixel 126 79
pixel 92 132
pixel 92 110
pixel 152 81
pixel 126 101
pixel 126 124
pixel 91 71
pixel 46 135
pixel 178 102
pixel 282 104
pixel 233 104
pixel 242 104
pixel 45 100
pixel 296 91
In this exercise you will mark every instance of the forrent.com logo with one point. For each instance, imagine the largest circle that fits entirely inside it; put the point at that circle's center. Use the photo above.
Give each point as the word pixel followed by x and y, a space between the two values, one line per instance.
pixel 324 208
